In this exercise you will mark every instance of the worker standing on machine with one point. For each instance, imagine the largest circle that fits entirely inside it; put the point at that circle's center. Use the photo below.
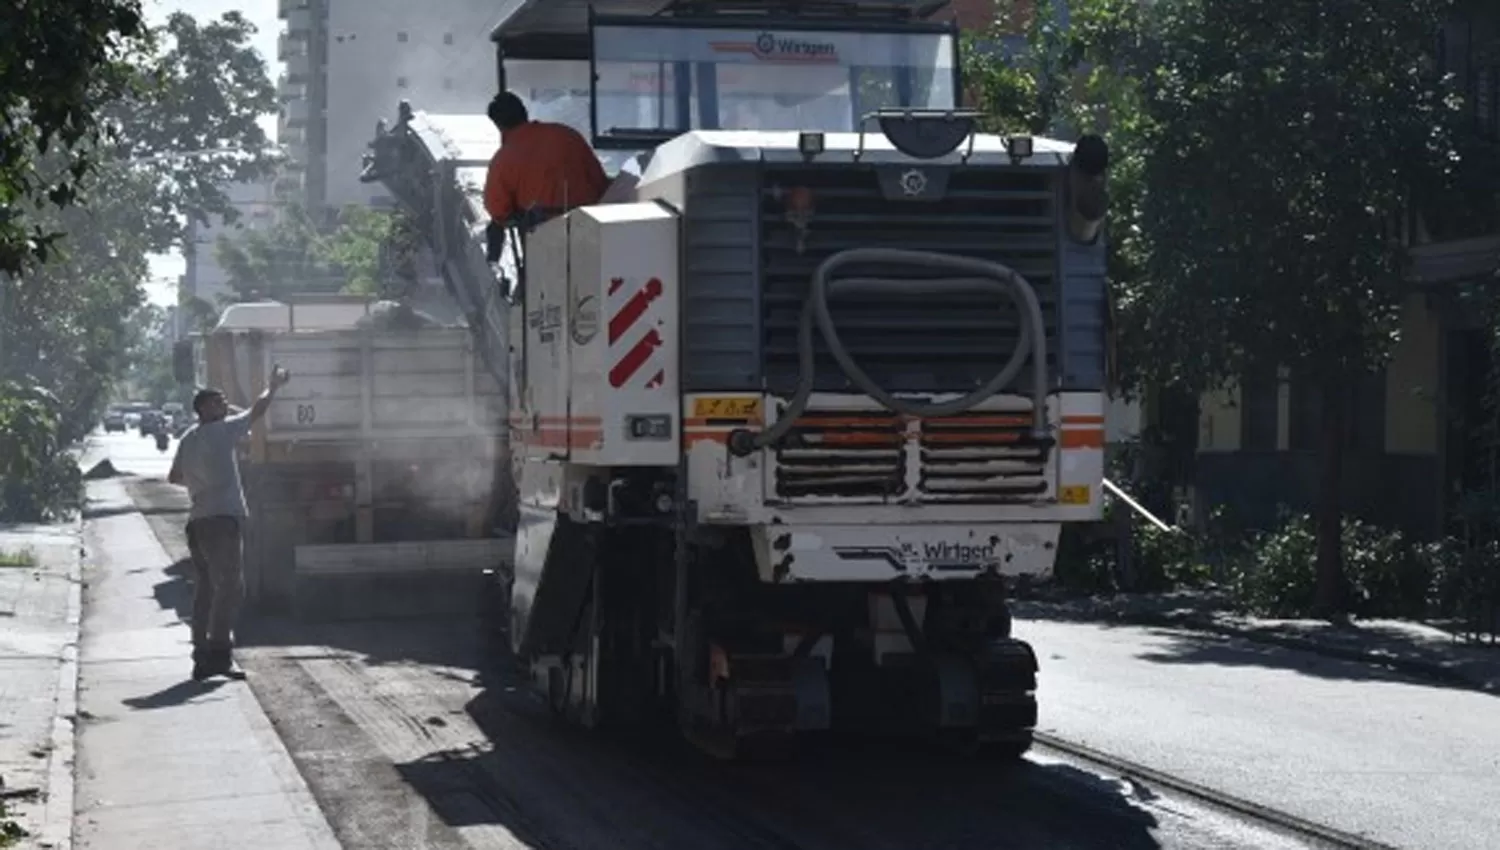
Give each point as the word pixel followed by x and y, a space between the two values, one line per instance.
pixel 541 168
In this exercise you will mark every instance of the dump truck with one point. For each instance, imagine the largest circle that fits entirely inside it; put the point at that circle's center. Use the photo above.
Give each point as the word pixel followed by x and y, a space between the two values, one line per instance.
pixel 370 480
pixel 795 406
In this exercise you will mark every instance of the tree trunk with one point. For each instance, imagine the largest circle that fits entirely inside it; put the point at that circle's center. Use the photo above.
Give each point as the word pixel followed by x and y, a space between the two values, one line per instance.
pixel 1331 600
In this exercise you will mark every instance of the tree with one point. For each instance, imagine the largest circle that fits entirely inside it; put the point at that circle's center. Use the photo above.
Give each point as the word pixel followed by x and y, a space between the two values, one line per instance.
pixel 148 357
pixel 64 322
pixel 61 61
pixel 1076 78
pixel 1279 146
pixel 354 255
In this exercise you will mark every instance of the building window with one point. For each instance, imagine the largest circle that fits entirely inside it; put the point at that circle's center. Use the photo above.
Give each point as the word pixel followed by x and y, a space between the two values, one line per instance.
pixel 448 38
pixel 402 37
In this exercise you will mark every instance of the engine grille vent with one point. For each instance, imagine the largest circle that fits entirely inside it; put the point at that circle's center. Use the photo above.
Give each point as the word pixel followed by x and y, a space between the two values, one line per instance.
pixel 906 343
pixel 981 457
pixel 858 455
pixel 875 456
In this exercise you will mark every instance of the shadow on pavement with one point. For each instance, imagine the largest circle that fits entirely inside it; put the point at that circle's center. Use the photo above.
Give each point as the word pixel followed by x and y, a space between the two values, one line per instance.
pixel 582 789
pixel 1188 647
pixel 176 593
pixel 556 785
pixel 178 694
pixel 1362 650
pixel 120 510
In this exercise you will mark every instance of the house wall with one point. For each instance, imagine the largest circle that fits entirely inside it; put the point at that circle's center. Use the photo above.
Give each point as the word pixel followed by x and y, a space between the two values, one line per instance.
pixel 1398 486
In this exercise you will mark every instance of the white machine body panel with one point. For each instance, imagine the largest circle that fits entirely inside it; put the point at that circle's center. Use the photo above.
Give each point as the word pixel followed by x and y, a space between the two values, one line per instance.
pixel 601 332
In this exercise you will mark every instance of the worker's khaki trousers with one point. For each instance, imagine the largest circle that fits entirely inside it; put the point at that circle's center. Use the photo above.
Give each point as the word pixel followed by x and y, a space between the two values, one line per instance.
pixel 218 581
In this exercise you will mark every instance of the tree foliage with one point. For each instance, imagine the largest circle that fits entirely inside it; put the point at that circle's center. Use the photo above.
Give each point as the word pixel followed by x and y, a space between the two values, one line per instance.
pixel 38 480
pixel 1267 157
pixel 148 356
pixel 295 255
pixel 168 122
pixel 60 62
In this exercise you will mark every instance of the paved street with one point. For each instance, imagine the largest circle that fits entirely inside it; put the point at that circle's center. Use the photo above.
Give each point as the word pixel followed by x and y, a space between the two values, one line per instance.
pixel 1336 742
pixel 406 738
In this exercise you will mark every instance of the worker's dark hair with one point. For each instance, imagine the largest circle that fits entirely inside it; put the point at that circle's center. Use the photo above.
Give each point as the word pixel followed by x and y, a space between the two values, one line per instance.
pixel 507 111
pixel 204 396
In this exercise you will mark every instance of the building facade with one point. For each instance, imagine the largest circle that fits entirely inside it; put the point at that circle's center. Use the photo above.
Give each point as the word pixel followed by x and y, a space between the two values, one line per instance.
pixel 205 278
pixel 348 63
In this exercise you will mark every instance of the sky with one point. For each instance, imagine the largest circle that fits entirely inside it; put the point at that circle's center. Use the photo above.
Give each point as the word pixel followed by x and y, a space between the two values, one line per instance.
pixel 165 269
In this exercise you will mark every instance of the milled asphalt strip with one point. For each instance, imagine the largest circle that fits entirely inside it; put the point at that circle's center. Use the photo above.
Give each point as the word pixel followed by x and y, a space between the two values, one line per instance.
pixel 1218 799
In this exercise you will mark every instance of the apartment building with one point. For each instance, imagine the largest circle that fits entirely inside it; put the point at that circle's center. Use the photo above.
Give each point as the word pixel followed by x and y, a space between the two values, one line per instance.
pixel 205 278
pixel 347 65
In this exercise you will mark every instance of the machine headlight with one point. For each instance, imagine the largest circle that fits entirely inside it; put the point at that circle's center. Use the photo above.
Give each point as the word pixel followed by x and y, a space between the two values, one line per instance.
pixel 1019 147
pixel 657 427
pixel 810 144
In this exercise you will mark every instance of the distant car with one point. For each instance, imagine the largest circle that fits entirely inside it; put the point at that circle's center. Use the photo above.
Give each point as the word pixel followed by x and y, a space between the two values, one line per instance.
pixel 132 420
pixel 151 422
pixel 114 421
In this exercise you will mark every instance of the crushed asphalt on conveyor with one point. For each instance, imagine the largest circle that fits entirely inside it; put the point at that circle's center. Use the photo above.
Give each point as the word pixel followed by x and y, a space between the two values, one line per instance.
pixel 407 740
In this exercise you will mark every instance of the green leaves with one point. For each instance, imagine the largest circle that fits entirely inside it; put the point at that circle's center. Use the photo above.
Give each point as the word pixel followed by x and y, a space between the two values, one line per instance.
pixel 115 150
pixel 355 254
pixel 61 60
pixel 1279 146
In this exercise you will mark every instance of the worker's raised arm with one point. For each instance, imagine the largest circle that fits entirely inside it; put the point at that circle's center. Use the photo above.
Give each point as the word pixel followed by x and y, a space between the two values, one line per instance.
pixel 499 190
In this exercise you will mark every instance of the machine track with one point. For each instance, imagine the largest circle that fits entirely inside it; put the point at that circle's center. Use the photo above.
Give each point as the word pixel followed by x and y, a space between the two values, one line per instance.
pixel 1282 821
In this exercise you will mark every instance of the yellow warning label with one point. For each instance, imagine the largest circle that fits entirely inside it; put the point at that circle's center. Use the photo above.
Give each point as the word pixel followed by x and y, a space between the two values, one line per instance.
pixel 1073 494
pixel 726 407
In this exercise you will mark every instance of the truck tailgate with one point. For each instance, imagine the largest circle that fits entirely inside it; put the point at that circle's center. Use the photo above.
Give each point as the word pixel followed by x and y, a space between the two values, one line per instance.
pixel 348 384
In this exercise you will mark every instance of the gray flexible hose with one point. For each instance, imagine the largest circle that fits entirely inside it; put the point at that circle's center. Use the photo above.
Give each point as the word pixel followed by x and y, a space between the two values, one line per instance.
pixel 977 276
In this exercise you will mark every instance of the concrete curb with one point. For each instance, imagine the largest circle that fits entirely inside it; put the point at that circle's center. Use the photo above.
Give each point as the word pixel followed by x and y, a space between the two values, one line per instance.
pixel 58 815
pixel 1417 668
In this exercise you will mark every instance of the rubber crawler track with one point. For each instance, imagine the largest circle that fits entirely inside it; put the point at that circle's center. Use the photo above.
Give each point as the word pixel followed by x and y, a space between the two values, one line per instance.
pixel 1281 820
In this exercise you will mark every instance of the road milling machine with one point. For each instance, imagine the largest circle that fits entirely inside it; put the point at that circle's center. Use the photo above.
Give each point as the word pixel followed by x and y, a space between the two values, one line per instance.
pixel 818 380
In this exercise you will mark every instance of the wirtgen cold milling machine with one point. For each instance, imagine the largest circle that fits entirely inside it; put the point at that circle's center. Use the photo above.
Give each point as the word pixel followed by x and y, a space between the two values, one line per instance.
pixel 823 373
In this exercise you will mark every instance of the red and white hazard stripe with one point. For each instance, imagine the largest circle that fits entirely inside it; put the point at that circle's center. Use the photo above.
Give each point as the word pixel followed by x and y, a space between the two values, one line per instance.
pixel 635 334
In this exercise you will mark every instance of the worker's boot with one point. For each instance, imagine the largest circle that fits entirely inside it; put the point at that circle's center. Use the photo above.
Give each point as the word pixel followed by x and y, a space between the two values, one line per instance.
pixel 219 661
pixel 201 666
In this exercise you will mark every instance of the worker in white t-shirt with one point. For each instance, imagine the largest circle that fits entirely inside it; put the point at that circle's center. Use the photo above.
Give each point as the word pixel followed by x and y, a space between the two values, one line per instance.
pixel 207 463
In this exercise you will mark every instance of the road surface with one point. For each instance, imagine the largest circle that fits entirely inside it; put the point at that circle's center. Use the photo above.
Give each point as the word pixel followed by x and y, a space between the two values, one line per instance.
pixel 408 739
pixel 1347 745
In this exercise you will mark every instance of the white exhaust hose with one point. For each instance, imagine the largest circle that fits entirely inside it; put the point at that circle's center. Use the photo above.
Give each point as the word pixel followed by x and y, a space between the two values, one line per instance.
pixel 970 276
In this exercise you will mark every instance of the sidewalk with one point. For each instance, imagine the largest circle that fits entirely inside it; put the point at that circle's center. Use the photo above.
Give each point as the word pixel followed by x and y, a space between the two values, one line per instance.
pixel 165 763
pixel 1413 648
pixel 39 613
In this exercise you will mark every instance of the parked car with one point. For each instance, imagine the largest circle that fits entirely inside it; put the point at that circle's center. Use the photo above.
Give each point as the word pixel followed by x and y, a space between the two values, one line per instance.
pixel 114 421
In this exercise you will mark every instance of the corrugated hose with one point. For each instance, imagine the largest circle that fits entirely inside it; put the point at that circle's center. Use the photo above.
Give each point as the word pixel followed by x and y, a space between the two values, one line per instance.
pixel 969 276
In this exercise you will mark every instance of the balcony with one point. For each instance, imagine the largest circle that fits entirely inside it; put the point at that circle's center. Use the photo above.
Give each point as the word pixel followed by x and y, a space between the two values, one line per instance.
pixel 289 45
pixel 287 7
pixel 299 22
pixel 290 89
pixel 290 136
pixel 294 113
pixel 298 67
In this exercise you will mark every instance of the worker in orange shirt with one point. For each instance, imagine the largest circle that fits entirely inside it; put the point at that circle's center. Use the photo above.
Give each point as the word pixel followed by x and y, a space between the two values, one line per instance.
pixel 540 167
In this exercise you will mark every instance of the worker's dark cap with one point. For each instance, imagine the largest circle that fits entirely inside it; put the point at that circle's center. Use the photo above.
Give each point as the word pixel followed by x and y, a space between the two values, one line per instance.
pixel 204 396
